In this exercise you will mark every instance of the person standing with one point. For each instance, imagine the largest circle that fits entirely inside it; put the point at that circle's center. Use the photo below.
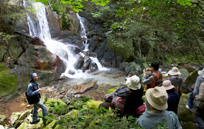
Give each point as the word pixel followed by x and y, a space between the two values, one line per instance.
pixel 33 96
pixel 156 114
pixel 173 96
pixel 156 76
pixel 199 114
pixel 195 91
pixel 175 79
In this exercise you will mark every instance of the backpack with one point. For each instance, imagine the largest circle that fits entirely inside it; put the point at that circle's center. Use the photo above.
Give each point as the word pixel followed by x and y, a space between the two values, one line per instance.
pixel 159 80
pixel 33 99
pixel 117 98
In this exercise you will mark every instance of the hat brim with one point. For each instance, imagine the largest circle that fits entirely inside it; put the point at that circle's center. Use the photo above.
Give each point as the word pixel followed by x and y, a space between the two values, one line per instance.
pixel 174 73
pixel 151 102
pixel 201 73
pixel 138 86
pixel 169 87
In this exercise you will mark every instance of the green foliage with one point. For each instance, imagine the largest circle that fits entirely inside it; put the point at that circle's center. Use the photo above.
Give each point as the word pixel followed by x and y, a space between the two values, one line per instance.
pixel 111 90
pixel 8 80
pixel 77 4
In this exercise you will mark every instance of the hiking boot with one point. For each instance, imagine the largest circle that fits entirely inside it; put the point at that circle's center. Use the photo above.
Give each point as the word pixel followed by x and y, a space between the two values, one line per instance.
pixel 46 123
pixel 187 107
pixel 35 121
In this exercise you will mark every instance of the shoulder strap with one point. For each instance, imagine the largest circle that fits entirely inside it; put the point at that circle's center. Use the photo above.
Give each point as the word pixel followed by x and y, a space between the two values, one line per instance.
pixel 155 77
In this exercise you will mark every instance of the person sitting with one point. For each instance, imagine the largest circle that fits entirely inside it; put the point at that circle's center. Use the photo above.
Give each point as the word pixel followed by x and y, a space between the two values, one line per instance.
pixel 156 114
pixel 175 79
pixel 126 99
pixel 156 76
pixel 173 96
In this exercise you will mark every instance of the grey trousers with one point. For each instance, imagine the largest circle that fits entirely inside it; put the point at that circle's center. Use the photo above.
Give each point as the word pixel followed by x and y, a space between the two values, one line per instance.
pixel 199 116
pixel 35 111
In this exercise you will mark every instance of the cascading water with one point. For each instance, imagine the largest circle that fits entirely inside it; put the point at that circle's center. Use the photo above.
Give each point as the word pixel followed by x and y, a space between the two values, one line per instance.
pixel 40 29
pixel 83 32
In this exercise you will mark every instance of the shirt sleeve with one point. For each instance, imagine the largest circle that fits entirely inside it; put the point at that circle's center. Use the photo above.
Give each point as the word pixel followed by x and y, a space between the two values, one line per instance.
pixel 30 91
pixel 146 81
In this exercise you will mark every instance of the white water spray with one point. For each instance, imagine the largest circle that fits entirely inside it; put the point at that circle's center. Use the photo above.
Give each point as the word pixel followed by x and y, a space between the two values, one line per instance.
pixel 40 29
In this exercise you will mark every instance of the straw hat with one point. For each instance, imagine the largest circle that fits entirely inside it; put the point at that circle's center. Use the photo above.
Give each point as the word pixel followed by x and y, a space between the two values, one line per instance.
pixel 201 73
pixel 133 82
pixel 167 85
pixel 174 71
pixel 157 97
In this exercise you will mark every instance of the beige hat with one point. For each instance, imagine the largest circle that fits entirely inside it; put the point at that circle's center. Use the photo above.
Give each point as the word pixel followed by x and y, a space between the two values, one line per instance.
pixel 157 98
pixel 174 71
pixel 201 73
pixel 167 85
pixel 133 82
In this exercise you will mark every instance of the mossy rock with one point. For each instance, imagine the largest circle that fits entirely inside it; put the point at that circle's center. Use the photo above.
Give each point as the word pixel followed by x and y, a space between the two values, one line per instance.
pixel 188 125
pixel 2 119
pixel 183 113
pixel 8 80
pixel 191 79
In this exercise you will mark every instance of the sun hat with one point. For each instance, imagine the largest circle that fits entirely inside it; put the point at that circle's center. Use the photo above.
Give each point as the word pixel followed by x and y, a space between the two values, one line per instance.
pixel 167 85
pixel 174 71
pixel 157 98
pixel 133 82
pixel 33 75
pixel 201 73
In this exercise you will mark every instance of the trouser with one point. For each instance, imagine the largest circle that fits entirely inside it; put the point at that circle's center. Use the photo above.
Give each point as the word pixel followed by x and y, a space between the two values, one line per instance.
pixel 199 118
pixel 35 111
pixel 190 101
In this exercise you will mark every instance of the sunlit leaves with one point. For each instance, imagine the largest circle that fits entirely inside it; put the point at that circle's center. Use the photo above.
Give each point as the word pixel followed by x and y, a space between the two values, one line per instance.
pixel 184 2
pixel 77 4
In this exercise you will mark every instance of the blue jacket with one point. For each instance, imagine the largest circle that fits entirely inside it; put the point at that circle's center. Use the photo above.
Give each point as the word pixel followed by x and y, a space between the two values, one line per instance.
pixel 173 100
pixel 32 89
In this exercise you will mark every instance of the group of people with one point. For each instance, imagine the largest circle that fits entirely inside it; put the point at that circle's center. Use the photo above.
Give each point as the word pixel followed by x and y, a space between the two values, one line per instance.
pixel 161 101
pixel 161 98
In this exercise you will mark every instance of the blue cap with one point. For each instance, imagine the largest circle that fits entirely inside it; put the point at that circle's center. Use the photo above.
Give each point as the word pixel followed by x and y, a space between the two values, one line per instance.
pixel 33 75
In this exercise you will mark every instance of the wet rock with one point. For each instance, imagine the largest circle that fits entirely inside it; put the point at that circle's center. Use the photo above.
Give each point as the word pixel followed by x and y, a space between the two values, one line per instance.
pixel 79 63
pixel 37 41
pixel 81 88
pixel 86 64
pixel 93 67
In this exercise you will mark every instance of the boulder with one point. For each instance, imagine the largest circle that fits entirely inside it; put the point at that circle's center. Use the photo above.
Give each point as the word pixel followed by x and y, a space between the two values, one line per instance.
pixel 8 80
pixel 79 63
pixel 81 88
pixel 86 64
pixel 190 80
pixel 184 73
pixel 38 59
pixel 14 117
pixel 183 113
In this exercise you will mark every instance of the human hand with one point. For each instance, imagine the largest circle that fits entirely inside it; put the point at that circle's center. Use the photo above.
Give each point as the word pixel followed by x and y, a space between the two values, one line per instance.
pixel 144 71
pixel 39 89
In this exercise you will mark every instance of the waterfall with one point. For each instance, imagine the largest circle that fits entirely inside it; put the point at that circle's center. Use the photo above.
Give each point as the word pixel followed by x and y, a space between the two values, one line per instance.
pixel 83 32
pixel 40 28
